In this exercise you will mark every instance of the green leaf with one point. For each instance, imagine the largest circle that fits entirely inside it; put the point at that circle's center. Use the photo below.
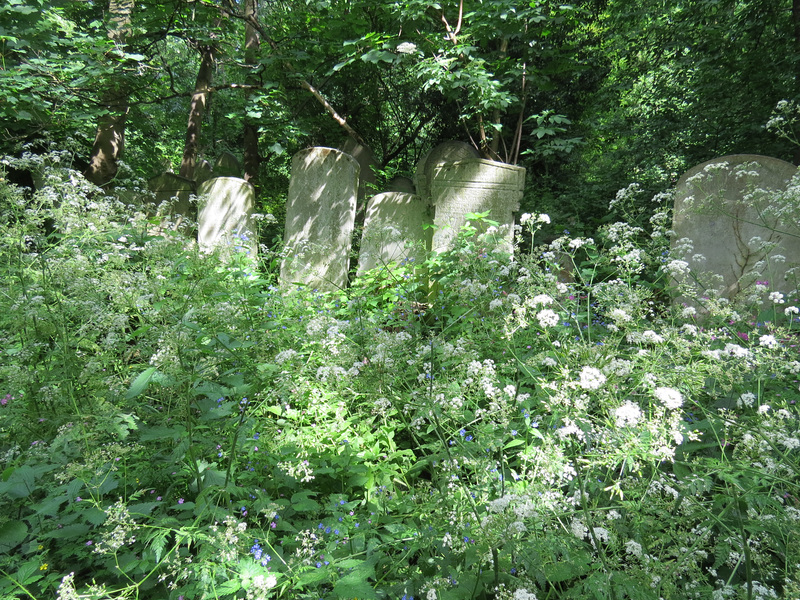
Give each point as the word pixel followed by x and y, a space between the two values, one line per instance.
pixel 12 534
pixel 302 503
pixel 20 483
pixel 68 531
pixel 29 573
pixel 140 383
pixel 376 56
pixel 229 587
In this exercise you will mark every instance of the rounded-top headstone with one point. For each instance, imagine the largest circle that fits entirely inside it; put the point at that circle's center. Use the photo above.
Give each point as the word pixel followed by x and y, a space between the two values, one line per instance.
pixel 227 165
pixel 395 231
pixel 446 152
pixel 225 219
pixel 731 226
pixel 203 172
pixel 169 186
pixel 401 184
pixel 320 215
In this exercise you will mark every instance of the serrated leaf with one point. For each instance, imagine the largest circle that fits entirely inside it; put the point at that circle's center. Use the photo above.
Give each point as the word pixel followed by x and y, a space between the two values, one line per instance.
pixel 229 587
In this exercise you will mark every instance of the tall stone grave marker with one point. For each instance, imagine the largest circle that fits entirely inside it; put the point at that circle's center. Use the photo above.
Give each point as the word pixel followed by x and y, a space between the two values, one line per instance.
pixel 320 213
pixel 471 186
pixel 445 152
pixel 735 223
pixel 169 186
pixel 394 230
pixel 226 219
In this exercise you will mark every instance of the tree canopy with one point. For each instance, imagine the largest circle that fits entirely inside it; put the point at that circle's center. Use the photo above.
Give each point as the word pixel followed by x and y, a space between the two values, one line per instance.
pixel 589 96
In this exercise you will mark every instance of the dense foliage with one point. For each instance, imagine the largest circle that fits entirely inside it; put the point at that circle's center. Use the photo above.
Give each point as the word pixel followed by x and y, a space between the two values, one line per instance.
pixel 547 425
pixel 588 96
pixel 174 426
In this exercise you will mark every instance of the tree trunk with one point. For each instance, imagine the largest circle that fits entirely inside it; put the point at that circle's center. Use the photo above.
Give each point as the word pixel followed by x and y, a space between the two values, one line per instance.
pixel 251 45
pixel 197 110
pixel 109 140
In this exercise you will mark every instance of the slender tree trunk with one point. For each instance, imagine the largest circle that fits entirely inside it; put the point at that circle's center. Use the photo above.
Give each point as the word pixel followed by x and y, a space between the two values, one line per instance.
pixel 497 118
pixel 251 46
pixel 197 110
pixel 109 140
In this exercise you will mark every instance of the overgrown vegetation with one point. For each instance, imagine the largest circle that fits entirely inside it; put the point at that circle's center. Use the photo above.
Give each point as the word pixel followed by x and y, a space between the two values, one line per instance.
pixel 544 427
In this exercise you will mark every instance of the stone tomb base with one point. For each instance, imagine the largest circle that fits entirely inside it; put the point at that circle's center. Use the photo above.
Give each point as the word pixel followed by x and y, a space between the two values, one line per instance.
pixel 474 186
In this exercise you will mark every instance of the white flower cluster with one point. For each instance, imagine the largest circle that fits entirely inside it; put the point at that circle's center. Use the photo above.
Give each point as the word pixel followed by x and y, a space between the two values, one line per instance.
pixel 591 378
pixel 669 397
pixel 547 318
pixel 628 415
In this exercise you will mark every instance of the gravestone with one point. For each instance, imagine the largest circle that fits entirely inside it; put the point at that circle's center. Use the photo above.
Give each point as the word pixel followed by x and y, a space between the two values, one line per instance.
pixel 736 223
pixel 227 165
pixel 366 160
pixel 472 186
pixel 401 184
pixel 445 152
pixel 394 230
pixel 225 218
pixel 174 188
pixel 320 213
pixel 203 172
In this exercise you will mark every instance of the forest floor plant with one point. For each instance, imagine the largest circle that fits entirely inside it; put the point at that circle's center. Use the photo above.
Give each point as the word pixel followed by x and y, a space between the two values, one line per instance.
pixel 478 426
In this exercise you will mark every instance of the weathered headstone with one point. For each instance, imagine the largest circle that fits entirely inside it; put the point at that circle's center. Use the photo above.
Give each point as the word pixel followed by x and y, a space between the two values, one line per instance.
pixel 225 218
pixel 446 152
pixel 366 160
pixel 227 165
pixel 320 213
pixel 474 186
pixel 736 223
pixel 401 184
pixel 174 188
pixel 394 230
pixel 203 172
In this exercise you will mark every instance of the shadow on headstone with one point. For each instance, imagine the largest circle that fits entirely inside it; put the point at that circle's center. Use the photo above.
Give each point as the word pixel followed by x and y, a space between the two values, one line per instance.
pixel 474 186
pixel 225 220
pixel 394 231
pixel 320 212
pixel 735 224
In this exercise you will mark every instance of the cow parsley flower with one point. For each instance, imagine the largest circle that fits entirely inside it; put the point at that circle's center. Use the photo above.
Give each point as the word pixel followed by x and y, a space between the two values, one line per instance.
pixel 628 415
pixel 669 397
pixel 591 378
pixel 768 341
pixel 547 318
